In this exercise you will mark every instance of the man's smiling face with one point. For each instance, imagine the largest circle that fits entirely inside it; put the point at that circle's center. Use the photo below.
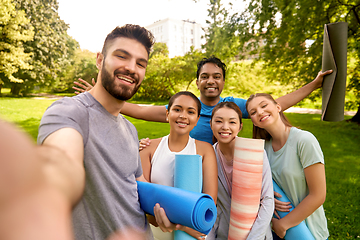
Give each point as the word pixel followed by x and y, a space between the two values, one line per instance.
pixel 211 81
pixel 124 67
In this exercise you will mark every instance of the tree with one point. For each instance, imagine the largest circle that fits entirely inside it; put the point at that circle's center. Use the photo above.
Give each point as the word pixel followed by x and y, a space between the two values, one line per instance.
pixel 155 88
pixel 50 47
pixel 354 83
pixel 159 48
pixel 83 65
pixel 219 32
pixel 14 31
pixel 166 76
pixel 279 30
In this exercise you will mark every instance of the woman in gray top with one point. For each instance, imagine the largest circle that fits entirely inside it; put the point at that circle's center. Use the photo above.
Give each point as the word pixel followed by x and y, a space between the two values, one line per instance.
pixel 226 123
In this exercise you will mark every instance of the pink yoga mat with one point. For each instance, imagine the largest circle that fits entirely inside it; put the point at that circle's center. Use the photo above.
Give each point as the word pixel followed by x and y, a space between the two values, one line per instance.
pixel 246 186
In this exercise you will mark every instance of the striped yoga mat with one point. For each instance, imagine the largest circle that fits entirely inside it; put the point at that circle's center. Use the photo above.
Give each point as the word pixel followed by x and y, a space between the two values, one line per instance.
pixel 246 186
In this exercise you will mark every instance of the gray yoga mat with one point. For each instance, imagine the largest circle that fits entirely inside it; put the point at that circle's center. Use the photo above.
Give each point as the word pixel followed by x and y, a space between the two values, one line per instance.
pixel 335 58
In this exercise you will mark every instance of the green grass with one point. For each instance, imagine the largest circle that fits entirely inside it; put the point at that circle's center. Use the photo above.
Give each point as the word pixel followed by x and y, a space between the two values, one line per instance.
pixel 340 142
pixel 25 112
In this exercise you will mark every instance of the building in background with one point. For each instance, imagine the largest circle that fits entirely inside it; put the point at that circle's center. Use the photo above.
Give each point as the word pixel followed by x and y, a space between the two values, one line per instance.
pixel 179 35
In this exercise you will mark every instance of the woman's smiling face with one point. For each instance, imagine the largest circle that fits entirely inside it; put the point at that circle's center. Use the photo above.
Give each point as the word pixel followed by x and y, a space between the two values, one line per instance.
pixel 263 111
pixel 183 114
pixel 225 124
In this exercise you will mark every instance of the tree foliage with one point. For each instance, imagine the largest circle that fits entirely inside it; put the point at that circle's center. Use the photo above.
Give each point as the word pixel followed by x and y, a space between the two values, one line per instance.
pixel 14 31
pixel 82 65
pixel 279 30
pixel 159 48
pixel 221 39
pixel 51 47
pixel 242 83
pixel 166 76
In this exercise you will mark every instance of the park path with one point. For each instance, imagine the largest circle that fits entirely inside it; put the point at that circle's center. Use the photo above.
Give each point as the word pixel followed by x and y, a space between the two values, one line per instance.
pixel 313 111
pixel 44 96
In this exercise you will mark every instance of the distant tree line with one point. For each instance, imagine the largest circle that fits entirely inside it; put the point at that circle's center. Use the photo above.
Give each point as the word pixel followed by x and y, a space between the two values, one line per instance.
pixel 37 53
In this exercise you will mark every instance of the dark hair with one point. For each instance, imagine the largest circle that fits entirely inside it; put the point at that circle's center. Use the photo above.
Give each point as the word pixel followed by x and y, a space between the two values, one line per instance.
pixel 211 59
pixel 135 32
pixel 185 93
pixel 260 133
pixel 229 105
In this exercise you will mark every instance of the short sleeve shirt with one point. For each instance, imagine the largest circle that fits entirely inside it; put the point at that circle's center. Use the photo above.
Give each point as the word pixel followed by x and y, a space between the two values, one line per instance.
pixel 111 161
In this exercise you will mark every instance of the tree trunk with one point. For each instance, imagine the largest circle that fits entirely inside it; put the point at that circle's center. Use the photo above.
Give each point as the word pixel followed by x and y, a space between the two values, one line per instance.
pixel 356 117
pixel 15 89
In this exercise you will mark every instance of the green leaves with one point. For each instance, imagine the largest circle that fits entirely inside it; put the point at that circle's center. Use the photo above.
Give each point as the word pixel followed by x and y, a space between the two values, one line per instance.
pixel 49 49
pixel 14 31
pixel 221 35
pixel 166 76
pixel 278 30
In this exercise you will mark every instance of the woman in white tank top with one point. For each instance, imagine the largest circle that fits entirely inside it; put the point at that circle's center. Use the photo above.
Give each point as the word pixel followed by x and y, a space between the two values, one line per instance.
pixel 158 158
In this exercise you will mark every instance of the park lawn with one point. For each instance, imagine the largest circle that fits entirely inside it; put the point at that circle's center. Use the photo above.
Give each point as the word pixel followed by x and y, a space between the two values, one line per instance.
pixel 340 142
pixel 25 112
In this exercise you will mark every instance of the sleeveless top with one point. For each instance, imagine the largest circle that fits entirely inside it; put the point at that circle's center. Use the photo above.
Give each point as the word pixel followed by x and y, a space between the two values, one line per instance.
pixel 163 161
pixel 162 172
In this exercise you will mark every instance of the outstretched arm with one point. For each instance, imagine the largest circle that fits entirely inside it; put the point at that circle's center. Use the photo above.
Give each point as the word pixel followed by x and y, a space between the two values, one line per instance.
pixel 66 174
pixel 36 189
pixel 148 112
pixel 293 98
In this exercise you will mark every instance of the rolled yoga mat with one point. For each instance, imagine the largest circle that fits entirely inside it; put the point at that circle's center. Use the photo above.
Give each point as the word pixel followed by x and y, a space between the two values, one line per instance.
pixel 191 209
pixel 335 58
pixel 299 232
pixel 188 176
pixel 246 186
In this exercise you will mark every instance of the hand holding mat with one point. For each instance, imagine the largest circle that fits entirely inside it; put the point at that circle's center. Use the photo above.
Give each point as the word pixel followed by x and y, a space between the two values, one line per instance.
pixel 246 186
pixel 299 232
pixel 191 209
pixel 335 58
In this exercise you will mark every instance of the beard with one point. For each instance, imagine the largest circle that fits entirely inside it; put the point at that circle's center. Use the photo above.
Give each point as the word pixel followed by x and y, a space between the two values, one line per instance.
pixel 122 93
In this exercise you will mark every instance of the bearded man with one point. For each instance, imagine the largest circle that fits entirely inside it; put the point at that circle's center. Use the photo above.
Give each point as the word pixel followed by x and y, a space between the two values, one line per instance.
pixel 102 146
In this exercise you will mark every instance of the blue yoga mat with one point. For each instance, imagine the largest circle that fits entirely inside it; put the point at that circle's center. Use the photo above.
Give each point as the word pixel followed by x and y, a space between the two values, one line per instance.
pixel 299 232
pixel 188 176
pixel 191 209
pixel 188 172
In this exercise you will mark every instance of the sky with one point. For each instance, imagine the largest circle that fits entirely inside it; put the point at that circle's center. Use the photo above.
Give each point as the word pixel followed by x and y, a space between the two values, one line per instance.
pixel 90 21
